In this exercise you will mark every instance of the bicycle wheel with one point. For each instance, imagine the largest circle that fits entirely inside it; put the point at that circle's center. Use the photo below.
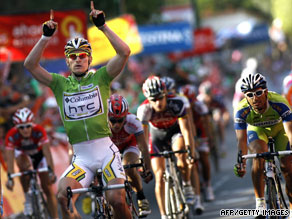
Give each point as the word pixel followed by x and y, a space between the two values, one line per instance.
pixel 35 206
pixel 283 204
pixel 43 206
pixel 271 194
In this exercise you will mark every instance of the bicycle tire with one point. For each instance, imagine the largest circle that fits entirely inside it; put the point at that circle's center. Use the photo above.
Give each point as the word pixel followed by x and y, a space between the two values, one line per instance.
pixel 271 194
pixel 169 200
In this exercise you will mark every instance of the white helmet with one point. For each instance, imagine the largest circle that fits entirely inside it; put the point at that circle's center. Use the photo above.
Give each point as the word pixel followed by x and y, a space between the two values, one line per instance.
pixel 23 116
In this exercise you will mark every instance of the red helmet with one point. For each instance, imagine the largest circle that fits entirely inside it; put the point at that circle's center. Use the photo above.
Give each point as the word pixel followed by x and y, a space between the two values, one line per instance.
pixel 117 106
pixel 189 91
pixel 23 116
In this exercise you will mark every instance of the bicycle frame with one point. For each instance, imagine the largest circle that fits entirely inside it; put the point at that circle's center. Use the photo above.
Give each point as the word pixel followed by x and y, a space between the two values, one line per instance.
pixel 272 175
pixel 175 204
pixel 38 202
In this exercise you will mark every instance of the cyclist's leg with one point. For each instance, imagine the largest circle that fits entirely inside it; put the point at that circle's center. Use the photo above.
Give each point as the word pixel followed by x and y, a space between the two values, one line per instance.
pixel 48 190
pixel 257 143
pixel 62 197
pixel 282 143
pixel 23 162
pixel 113 173
pixel 158 167
pixel 131 156
pixel 178 144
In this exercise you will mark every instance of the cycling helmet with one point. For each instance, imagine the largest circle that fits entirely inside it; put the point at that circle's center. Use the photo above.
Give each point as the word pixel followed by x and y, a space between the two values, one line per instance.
pixel 153 87
pixel 189 91
pixel 77 43
pixel 22 116
pixel 253 81
pixel 169 83
pixel 117 106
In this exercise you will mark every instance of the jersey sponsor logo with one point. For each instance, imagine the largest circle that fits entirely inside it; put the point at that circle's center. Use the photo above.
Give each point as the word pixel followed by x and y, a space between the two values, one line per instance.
pixel 267 123
pixel 82 105
pixel 86 87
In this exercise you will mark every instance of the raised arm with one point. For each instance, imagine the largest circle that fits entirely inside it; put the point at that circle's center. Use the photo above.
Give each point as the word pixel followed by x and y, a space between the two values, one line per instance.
pixel 118 62
pixel 32 61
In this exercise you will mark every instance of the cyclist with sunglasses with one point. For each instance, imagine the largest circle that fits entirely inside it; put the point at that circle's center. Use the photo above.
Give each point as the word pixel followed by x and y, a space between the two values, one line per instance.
pixel 261 114
pixel 128 135
pixel 28 144
pixel 82 100
pixel 166 127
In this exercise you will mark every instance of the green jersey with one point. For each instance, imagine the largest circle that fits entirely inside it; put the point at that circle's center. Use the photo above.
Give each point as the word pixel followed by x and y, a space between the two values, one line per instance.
pixel 83 104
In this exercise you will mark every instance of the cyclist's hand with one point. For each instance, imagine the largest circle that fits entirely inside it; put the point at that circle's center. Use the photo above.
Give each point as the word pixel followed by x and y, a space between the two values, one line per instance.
pixel 52 176
pixel 147 176
pixel 9 183
pixel 50 26
pixel 96 16
pixel 239 170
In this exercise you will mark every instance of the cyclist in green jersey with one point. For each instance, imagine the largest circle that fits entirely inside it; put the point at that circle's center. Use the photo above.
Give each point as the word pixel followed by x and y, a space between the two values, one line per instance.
pixel 261 114
pixel 82 100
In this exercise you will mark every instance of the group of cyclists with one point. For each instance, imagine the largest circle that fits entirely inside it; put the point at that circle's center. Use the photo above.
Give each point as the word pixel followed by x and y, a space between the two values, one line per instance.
pixel 105 135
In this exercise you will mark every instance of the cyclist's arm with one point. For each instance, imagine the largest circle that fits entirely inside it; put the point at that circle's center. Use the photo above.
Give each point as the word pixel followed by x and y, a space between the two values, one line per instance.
pixel 32 63
pixel 187 134
pixel 288 130
pixel 48 155
pixel 10 160
pixel 146 133
pixel 241 140
pixel 118 62
pixel 144 150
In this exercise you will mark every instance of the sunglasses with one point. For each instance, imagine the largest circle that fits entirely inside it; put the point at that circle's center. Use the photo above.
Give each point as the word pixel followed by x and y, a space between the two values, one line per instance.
pixel 24 127
pixel 113 121
pixel 257 93
pixel 156 99
pixel 81 55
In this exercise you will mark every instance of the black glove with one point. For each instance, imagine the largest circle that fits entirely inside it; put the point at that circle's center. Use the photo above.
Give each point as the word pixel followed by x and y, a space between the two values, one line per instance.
pixel 48 32
pixel 10 182
pixel 98 21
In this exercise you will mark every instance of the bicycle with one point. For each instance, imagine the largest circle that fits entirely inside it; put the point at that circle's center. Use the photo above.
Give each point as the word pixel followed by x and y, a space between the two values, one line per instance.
pixel 273 191
pixel 100 208
pixel 39 203
pixel 175 202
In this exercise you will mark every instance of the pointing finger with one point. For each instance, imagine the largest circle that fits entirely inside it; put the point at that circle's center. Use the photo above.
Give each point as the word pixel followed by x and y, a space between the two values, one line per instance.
pixel 91 5
pixel 52 14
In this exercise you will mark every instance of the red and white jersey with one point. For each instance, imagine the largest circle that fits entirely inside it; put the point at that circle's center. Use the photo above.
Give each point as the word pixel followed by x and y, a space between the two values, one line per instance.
pixel 127 136
pixel 176 107
pixel 200 109
pixel 32 145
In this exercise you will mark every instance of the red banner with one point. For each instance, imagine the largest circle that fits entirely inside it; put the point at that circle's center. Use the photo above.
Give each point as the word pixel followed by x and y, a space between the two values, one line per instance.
pixel 19 33
pixel 204 42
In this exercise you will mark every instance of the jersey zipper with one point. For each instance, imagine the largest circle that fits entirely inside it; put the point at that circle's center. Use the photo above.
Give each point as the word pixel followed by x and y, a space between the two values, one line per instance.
pixel 85 126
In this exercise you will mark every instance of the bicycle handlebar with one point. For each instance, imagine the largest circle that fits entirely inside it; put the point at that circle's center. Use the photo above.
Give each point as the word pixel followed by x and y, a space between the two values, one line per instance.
pixel 27 172
pixel 128 166
pixel 266 155
pixel 167 153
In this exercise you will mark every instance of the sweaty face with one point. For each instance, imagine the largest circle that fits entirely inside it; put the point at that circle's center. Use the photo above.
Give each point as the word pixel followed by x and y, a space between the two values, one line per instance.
pixel 25 130
pixel 257 98
pixel 158 104
pixel 78 62
pixel 116 124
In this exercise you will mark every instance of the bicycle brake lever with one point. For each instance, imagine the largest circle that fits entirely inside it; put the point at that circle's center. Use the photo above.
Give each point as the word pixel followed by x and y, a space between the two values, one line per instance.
pixel 239 158
pixel 69 197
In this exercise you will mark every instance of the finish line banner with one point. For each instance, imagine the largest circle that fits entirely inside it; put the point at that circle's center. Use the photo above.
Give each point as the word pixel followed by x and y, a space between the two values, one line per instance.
pixel 19 33
pixel 169 37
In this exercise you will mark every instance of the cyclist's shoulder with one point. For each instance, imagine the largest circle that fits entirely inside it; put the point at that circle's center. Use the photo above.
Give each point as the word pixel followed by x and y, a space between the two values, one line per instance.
pixel 273 96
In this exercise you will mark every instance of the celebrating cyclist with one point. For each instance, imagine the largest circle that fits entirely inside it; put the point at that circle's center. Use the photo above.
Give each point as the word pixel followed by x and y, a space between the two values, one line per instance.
pixel 127 134
pixel 168 129
pixel 28 144
pixel 261 114
pixel 82 99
